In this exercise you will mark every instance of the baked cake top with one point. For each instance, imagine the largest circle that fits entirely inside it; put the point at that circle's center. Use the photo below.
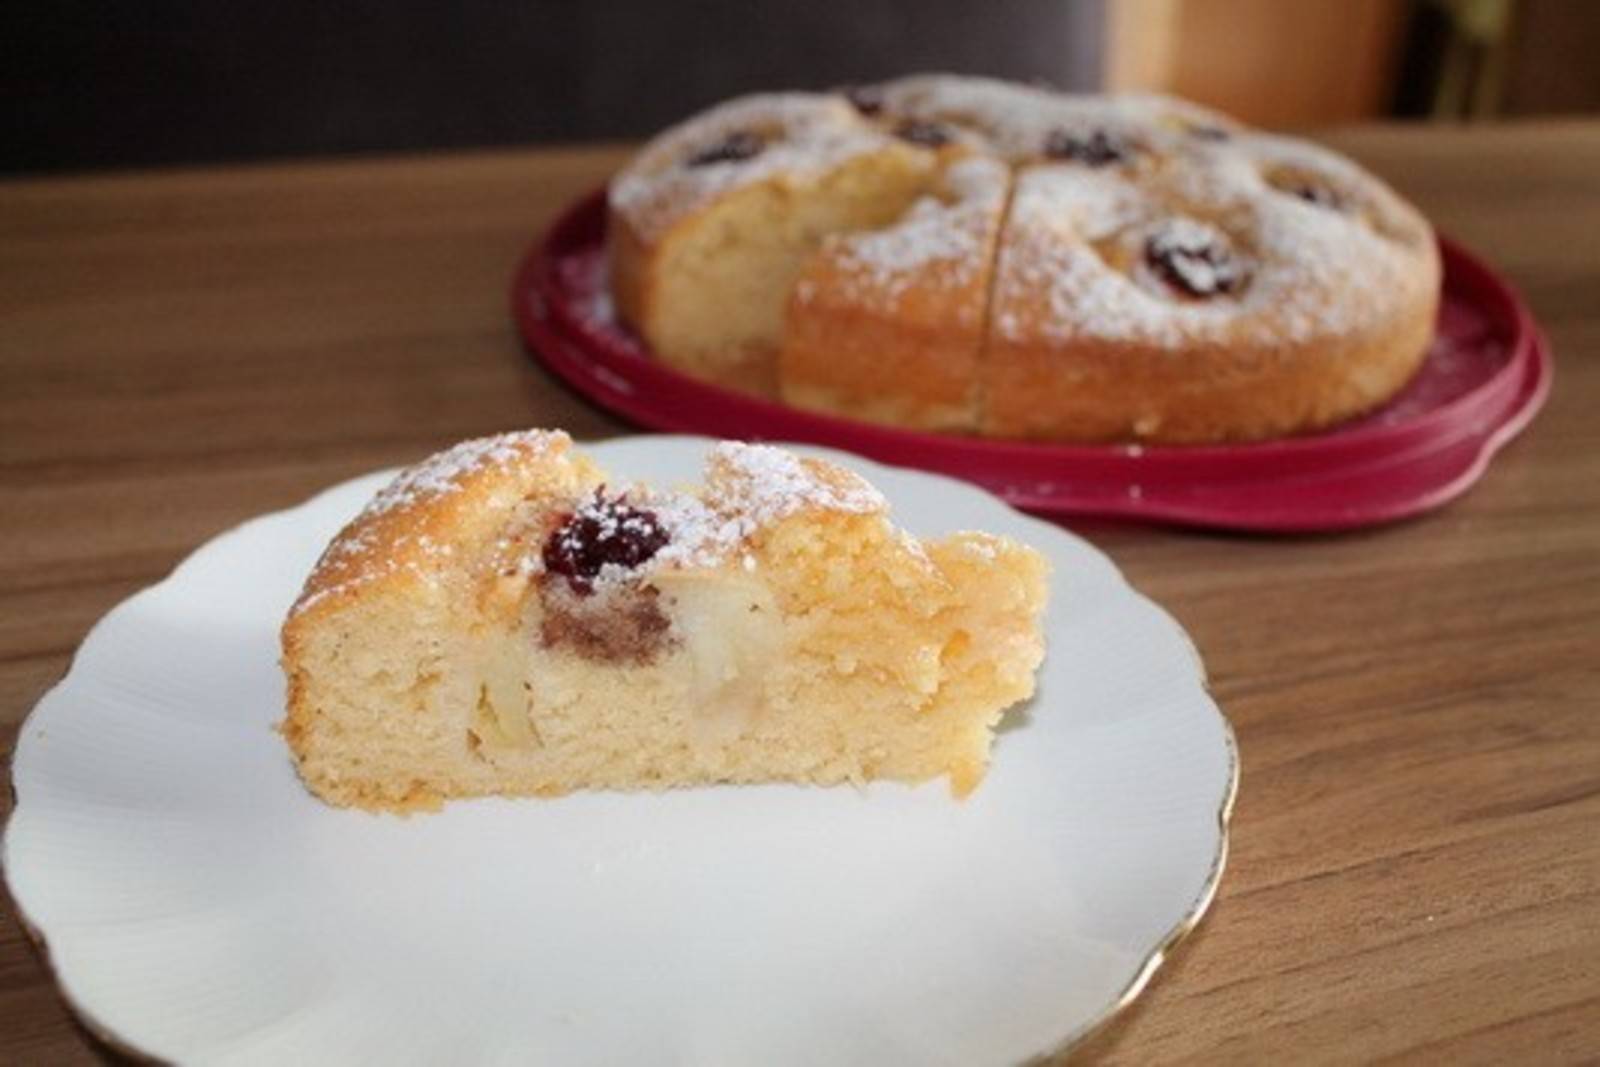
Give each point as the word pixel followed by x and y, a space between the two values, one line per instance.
pixel 1137 219
pixel 416 527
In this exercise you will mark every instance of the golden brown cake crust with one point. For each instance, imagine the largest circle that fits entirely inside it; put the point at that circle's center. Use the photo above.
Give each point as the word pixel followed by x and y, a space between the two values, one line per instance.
pixel 1160 272
pixel 412 529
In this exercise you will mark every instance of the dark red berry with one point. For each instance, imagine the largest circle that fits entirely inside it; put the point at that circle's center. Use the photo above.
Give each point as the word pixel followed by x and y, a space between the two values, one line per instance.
pixel 1313 193
pixel 735 147
pixel 926 134
pixel 605 530
pixel 1189 257
pixel 1096 148
pixel 867 99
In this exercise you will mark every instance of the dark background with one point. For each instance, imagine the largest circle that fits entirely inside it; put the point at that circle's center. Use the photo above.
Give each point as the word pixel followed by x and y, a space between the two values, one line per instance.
pixel 92 84
pixel 95 84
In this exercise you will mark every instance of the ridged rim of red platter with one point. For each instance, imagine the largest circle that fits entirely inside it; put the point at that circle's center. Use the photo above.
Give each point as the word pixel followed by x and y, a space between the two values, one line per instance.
pixel 1412 456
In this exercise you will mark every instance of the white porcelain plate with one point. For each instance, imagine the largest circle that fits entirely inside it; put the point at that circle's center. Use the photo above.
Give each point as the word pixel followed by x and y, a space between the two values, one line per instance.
pixel 199 906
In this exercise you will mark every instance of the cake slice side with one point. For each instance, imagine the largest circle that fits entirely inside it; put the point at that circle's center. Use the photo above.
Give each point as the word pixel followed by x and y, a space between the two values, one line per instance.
pixel 770 626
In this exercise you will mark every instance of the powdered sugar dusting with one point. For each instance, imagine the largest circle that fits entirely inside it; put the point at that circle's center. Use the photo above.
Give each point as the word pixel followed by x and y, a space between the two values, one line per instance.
pixel 1077 202
pixel 1075 268
pixel 803 135
pixel 309 600
pixel 1327 247
pixel 361 554
pixel 701 537
pixel 981 545
pixel 1321 247
pixel 934 243
pixel 748 488
pixel 443 472
pixel 769 484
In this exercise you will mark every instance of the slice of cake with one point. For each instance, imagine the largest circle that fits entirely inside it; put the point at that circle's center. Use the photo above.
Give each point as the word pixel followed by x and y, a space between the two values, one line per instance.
pixel 506 619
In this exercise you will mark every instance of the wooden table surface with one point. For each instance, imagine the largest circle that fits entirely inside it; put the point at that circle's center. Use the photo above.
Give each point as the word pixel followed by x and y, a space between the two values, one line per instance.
pixel 1416 848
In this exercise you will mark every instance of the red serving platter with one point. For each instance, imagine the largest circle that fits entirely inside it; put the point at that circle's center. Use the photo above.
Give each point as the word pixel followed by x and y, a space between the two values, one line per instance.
pixel 1485 377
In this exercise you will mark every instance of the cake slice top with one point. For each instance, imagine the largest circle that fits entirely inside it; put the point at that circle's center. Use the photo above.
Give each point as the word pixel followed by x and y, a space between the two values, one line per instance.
pixel 517 504
pixel 747 489
pixel 413 527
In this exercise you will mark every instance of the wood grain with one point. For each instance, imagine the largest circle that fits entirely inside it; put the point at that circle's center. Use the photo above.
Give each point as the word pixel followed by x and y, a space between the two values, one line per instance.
pixel 1416 864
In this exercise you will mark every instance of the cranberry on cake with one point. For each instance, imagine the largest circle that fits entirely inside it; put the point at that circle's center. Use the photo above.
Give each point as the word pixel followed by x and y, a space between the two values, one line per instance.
pixel 505 618
pixel 968 255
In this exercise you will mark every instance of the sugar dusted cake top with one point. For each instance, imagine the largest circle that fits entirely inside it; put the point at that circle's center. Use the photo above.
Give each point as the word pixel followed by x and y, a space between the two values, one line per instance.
pixel 1102 188
pixel 414 528
pixel 409 528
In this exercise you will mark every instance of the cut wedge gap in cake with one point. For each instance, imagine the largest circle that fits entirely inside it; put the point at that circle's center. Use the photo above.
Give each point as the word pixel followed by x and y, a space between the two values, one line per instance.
pixel 706 243
pixel 888 325
pixel 980 377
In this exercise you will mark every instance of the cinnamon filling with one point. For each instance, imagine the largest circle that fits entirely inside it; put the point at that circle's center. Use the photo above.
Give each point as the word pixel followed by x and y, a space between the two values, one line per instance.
pixel 598 546
pixel 627 626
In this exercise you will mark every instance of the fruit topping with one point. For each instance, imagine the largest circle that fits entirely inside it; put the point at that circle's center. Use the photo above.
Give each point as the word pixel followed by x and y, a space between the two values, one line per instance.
pixel 733 148
pixel 1315 193
pixel 867 99
pixel 925 134
pixel 1194 258
pixel 1205 131
pixel 1096 148
pixel 603 532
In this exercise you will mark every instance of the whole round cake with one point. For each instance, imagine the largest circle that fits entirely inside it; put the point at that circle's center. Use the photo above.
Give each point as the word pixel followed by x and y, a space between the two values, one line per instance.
pixel 969 255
